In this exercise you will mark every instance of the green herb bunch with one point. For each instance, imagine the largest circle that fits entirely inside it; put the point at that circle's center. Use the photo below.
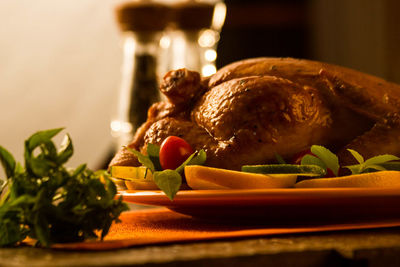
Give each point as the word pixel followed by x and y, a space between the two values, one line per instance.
pixel 50 203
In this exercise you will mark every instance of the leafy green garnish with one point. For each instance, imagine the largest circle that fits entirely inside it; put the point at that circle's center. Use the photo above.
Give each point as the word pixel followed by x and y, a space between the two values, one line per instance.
pixel 373 164
pixel 313 160
pixel 50 203
pixel 153 151
pixel 8 161
pixel 197 158
pixel 329 159
pixel 279 159
pixel 144 159
pixel 326 159
pixel 151 160
pixel 169 181
pixel 390 166
pixel 356 155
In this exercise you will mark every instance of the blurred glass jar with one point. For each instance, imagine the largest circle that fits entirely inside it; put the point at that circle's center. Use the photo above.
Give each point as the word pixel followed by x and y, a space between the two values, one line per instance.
pixel 143 24
pixel 195 35
pixel 159 36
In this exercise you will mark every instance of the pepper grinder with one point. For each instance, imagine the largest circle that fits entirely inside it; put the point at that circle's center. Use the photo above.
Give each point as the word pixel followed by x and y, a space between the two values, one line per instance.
pixel 142 25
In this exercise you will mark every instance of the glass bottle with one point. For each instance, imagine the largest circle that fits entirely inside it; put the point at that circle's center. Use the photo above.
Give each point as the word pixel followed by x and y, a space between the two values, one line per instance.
pixel 139 87
pixel 197 24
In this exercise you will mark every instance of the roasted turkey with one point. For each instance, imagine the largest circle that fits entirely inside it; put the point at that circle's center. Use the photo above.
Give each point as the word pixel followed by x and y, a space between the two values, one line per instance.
pixel 251 110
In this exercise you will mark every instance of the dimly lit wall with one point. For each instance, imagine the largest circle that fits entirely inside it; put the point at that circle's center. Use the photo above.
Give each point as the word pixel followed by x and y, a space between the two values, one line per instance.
pixel 59 67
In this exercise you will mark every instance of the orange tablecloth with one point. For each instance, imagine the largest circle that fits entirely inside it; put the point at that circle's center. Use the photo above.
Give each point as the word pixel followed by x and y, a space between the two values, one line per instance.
pixel 160 226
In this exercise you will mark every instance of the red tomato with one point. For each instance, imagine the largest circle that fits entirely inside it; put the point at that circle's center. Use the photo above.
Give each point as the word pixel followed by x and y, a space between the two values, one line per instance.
pixel 299 156
pixel 329 173
pixel 173 152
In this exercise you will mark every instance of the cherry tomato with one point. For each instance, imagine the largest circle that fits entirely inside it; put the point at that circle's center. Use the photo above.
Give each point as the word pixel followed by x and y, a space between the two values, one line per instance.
pixel 329 173
pixel 173 152
pixel 299 156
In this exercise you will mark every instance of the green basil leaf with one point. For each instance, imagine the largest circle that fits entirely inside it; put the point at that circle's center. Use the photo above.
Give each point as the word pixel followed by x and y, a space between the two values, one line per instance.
pixel 373 164
pixel 42 229
pixel 356 155
pixel 66 150
pixel 8 162
pixel 42 140
pixel 48 151
pixel 41 137
pixel 380 159
pixel 279 159
pixel 79 170
pixel 197 158
pixel 312 160
pixel 21 200
pixel 331 160
pixel 19 169
pixel 10 232
pixel 41 167
pixel 391 166
pixel 355 169
pixel 169 181
pixel 153 151
pixel 145 160
pixel 373 167
pixel 11 223
pixel 111 188
pixel 3 185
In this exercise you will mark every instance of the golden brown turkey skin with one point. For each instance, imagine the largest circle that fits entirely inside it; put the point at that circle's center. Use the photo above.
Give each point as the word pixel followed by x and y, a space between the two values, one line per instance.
pixel 253 109
pixel 366 94
pixel 260 116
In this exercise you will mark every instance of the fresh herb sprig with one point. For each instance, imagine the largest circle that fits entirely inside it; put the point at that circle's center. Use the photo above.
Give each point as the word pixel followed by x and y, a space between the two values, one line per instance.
pixel 377 163
pixel 50 203
pixel 324 158
pixel 169 181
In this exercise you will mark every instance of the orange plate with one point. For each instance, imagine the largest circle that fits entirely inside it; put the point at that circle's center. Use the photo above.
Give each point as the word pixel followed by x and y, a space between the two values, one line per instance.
pixel 316 205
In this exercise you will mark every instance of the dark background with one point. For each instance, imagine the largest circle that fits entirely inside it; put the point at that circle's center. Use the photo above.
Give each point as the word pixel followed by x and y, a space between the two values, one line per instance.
pixel 360 34
pixel 264 28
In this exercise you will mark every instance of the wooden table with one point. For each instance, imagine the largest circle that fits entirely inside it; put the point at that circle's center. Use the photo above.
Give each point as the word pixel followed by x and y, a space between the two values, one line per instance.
pixel 378 247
